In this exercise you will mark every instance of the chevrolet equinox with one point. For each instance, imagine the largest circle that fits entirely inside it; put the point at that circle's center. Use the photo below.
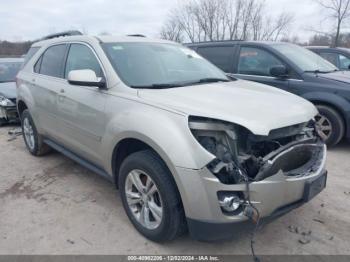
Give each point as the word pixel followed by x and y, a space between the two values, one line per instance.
pixel 188 147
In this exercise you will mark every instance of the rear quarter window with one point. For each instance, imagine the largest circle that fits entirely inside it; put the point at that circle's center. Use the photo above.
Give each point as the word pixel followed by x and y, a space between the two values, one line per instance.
pixel 32 51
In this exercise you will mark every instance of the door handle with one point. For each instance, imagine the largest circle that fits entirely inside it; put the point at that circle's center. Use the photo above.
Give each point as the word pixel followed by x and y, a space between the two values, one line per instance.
pixel 60 98
pixel 62 91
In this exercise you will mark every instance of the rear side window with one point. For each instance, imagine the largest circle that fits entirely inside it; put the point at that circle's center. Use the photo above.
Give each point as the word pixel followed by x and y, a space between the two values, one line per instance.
pixel 32 51
pixel 256 61
pixel 81 57
pixel 221 56
pixel 52 61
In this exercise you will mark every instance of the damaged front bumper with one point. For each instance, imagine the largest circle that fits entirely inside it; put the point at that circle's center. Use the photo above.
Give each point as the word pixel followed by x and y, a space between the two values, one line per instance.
pixel 272 196
pixel 8 114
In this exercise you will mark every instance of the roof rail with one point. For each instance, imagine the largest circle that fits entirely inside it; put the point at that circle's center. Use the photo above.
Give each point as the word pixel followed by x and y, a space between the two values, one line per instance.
pixel 137 35
pixel 66 33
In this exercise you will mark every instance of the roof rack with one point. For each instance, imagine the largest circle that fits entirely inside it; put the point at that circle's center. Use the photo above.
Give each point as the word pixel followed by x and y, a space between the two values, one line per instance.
pixel 66 33
pixel 137 35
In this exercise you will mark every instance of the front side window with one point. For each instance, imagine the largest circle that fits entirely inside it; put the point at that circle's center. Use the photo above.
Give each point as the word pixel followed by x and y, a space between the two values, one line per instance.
pixel 52 61
pixel 156 64
pixel 81 57
pixel 8 71
pixel 219 56
pixel 256 61
pixel 305 59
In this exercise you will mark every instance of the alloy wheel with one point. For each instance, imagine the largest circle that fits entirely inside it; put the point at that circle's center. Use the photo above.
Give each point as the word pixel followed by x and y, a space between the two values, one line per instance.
pixel 28 133
pixel 324 126
pixel 143 198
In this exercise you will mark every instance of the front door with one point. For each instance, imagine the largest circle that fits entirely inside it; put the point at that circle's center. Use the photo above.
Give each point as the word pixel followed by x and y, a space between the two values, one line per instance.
pixel 254 64
pixel 81 109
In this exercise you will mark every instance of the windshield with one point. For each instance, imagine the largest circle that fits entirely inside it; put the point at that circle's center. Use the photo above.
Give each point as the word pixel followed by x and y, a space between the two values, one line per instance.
pixel 306 60
pixel 153 65
pixel 8 71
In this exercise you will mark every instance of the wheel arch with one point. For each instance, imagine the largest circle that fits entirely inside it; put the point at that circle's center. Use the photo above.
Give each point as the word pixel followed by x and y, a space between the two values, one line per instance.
pixel 129 145
pixel 21 106
pixel 336 102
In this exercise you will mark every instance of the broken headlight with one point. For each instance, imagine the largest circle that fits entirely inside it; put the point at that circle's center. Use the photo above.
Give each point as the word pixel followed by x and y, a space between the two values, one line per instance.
pixel 219 138
pixel 5 102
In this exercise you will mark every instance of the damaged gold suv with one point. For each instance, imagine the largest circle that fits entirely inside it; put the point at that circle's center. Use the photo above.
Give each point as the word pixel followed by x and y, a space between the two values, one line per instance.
pixel 187 146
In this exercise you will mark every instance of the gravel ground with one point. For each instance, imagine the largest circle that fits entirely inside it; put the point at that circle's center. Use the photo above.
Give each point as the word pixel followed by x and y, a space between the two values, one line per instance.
pixel 51 205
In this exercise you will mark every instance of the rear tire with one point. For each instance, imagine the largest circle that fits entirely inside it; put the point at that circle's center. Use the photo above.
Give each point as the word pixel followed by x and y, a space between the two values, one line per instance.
pixel 332 123
pixel 32 139
pixel 148 165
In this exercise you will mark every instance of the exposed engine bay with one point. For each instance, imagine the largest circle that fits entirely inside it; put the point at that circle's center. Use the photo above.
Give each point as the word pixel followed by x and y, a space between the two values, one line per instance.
pixel 242 156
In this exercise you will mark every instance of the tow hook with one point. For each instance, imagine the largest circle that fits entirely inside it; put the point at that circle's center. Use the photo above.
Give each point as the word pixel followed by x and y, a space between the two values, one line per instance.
pixel 251 213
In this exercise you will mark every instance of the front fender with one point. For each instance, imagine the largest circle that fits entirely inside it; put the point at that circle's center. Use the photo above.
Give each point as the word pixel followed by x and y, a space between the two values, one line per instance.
pixel 166 132
pixel 333 99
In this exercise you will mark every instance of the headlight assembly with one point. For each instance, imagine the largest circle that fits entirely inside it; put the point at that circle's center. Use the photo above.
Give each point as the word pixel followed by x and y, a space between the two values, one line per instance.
pixel 220 139
pixel 5 102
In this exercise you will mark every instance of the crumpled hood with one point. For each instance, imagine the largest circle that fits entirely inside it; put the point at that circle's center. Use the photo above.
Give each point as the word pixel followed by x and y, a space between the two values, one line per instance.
pixel 341 76
pixel 8 89
pixel 257 107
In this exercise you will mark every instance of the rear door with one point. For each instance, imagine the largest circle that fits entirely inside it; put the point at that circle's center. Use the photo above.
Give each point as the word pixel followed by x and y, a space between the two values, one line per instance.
pixel 46 83
pixel 254 63
pixel 220 55
pixel 80 109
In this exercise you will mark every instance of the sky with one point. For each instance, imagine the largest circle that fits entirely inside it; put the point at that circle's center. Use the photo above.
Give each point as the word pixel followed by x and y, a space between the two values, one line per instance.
pixel 31 19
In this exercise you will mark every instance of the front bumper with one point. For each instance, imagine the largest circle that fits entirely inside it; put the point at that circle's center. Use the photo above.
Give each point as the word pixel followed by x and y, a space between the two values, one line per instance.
pixel 271 196
pixel 9 114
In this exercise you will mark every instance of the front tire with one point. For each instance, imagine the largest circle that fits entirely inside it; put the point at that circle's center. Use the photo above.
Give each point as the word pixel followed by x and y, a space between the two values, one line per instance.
pixel 150 197
pixel 331 124
pixel 32 139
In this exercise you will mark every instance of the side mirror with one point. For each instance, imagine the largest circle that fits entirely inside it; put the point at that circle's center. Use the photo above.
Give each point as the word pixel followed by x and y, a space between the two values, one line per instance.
pixel 85 77
pixel 279 71
pixel 231 77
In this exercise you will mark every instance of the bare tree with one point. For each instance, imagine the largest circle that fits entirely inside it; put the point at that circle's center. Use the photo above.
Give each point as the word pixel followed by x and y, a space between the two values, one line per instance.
pixel 211 20
pixel 172 30
pixel 339 10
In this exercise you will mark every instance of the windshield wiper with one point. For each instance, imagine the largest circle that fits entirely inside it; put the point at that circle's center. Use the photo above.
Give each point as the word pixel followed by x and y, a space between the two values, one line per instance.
pixel 317 71
pixel 212 80
pixel 171 85
pixel 207 80
pixel 157 86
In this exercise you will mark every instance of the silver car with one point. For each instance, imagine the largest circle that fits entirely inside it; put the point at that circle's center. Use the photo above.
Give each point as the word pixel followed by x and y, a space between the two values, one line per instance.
pixel 188 147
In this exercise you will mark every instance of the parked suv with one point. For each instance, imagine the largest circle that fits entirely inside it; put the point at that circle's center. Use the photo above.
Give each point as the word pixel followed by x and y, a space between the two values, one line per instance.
pixel 186 145
pixel 338 56
pixel 293 69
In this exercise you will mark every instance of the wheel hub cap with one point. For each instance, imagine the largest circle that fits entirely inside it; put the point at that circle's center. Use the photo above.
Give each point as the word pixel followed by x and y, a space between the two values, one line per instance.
pixel 143 198
pixel 28 133
pixel 324 126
